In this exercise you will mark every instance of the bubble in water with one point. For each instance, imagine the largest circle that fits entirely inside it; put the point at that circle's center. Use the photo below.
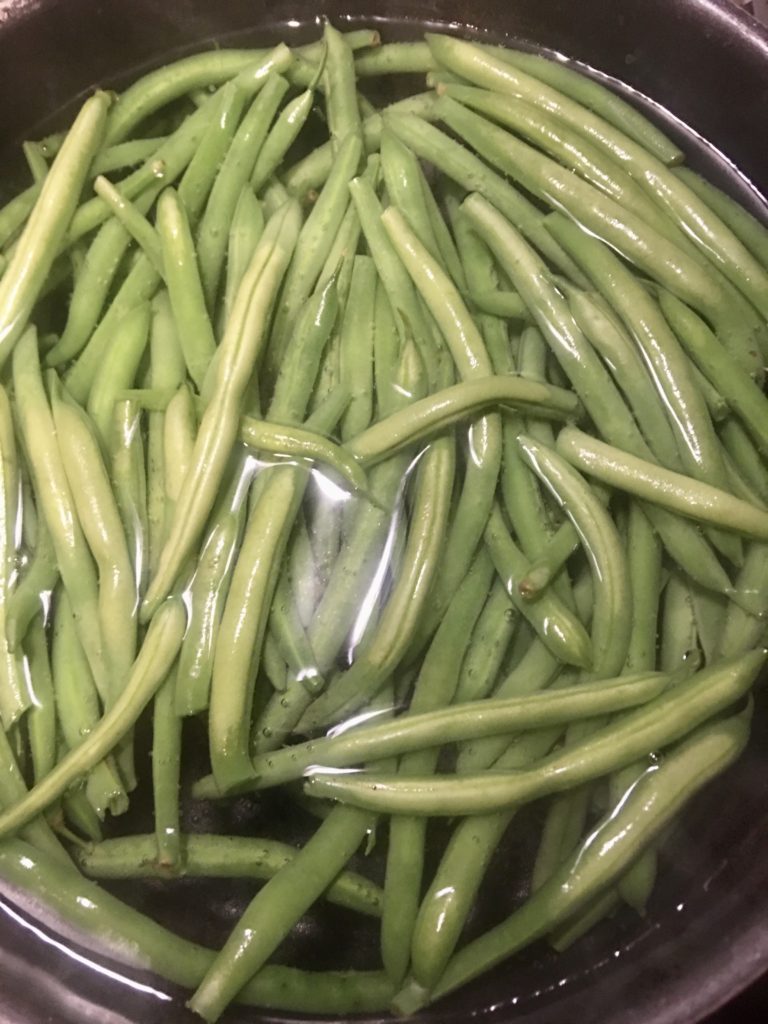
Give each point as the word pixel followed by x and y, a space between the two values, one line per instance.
pixel 509 614
pixel 159 169
pixel 266 732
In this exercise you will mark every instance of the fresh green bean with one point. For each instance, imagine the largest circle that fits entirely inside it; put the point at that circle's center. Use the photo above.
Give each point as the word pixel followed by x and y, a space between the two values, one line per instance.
pixel 674 491
pixel 457 723
pixel 462 166
pixel 401 614
pixel 665 720
pixel 103 530
pixel 240 348
pixel 590 379
pixel 281 137
pixel 41 716
pixel 557 626
pixel 117 370
pixel 591 93
pixel 168 83
pixel 604 856
pixel 747 228
pixel 209 856
pixel 340 88
pixel 56 504
pixel 613 609
pixel 315 240
pixel 434 688
pixel 124 154
pixel 185 288
pixel 246 611
pixel 491 637
pixel 79 711
pixel 129 479
pixel 703 227
pixel 277 907
pixel 16 211
pixel 152 664
pixel 200 173
pixel 132 219
pixel 33 257
pixel 428 416
pixel 233 174
pixel 244 234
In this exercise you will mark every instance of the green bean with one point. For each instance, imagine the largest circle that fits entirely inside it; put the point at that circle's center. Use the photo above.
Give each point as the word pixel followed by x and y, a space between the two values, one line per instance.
pixel 720 368
pixel 491 637
pixel 312 171
pixel 208 591
pixel 281 137
pixel 235 171
pixel 12 787
pixel 291 638
pixel 431 415
pixel 16 211
pixel 79 815
pixel 674 491
pixel 245 614
pixel 108 924
pixel 128 475
pixel 747 228
pixel 569 148
pixel 450 896
pixel 134 222
pixel 139 286
pixel 467 170
pixel 465 721
pixel 741 449
pixel 15 695
pixel 401 614
pixel 200 174
pixel 244 234
pixel 33 257
pixel 625 363
pixel 209 856
pixel 394 59
pixel 102 261
pixel 185 288
pixel 36 161
pixel 99 519
pixel 434 688
pixel 316 238
pixel 41 717
pixel 301 362
pixel 702 226
pixel 151 666
pixel 38 579
pixel 589 377
pixel 563 826
pixel 277 907
pixel 155 90
pixel 656 798
pixel 78 711
pixel 56 503
pixel 117 370
pixel 555 624
pixel 612 613
pixel 403 180
pixel 471 359
pixel 663 721
pixel 356 347
pixel 595 96
pixel 240 348
pixel 499 303
pixel 410 317
pixel 741 629
pixel 340 88
pixel 125 154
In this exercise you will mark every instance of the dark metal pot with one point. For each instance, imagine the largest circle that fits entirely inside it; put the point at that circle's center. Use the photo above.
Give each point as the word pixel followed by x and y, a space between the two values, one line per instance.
pixel 706 933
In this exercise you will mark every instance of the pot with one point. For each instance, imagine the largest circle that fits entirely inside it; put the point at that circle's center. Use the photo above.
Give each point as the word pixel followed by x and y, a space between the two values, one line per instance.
pixel 700 67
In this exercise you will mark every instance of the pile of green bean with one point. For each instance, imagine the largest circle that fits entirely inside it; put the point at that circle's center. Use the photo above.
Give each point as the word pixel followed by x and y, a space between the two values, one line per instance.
pixel 420 452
